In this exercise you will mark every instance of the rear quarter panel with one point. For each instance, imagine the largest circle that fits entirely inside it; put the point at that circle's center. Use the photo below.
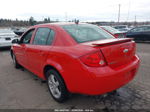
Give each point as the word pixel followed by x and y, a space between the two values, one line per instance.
pixel 67 61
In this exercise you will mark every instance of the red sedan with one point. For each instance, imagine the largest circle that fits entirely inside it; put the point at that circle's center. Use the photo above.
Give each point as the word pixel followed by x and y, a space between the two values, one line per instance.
pixel 76 58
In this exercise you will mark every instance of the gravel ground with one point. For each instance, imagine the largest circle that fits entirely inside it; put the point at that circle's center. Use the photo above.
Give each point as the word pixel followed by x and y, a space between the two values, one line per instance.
pixel 21 90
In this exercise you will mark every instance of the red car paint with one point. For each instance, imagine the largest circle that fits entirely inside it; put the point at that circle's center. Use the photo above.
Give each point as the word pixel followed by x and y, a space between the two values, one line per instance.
pixel 77 62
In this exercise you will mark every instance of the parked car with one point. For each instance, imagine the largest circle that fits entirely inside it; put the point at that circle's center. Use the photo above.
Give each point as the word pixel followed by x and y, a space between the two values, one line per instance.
pixel 116 33
pixel 19 31
pixel 76 58
pixel 6 36
pixel 122 28
pixel 141 33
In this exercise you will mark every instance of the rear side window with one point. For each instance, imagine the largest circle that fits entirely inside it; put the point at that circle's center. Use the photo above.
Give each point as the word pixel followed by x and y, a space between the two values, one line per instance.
pixel 50 37
pixel 138 29
pixel 147 28
pixel 86 32
pixel 43 36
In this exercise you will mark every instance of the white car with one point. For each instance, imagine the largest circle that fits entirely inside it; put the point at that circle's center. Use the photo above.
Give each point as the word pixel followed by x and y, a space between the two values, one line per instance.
pixel 6 37
pixel 122 28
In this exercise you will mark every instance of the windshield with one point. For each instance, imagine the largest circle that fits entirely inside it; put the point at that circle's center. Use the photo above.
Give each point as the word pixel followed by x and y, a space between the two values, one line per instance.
pixel 110 29
pixel 86 32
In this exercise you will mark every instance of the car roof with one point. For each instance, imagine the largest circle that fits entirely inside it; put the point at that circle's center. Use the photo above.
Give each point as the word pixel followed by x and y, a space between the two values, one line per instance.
pixel 143 25
pixel 60 23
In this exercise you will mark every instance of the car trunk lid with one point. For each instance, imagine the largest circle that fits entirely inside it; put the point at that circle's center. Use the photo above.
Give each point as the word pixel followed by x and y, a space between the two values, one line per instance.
pixel 117 52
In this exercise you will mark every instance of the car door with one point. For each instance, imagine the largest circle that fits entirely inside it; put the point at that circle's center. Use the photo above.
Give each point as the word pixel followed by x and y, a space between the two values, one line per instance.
pixel 20 49
pixel 146 33
pixel 135 33
pixel 38 51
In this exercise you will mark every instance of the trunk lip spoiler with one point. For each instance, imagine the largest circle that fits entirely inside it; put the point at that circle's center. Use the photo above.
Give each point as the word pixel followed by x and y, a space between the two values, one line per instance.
pixel 108 41
pixel 114 41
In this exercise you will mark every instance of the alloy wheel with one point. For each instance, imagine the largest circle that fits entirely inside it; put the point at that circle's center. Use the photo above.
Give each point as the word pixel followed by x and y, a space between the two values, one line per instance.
pixel 53 84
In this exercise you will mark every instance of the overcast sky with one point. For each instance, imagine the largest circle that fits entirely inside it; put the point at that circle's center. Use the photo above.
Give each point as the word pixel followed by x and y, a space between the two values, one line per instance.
pixel 84 10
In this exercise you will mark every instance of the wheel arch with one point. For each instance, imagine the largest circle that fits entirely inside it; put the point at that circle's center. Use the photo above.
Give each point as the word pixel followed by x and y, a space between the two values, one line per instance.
pixel 47 67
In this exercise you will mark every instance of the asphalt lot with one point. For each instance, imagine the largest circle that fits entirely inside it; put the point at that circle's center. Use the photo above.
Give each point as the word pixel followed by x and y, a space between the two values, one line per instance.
pixel 20 90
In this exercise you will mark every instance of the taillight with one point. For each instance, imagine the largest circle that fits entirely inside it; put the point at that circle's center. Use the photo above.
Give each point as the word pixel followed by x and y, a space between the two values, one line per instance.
pixel 95 59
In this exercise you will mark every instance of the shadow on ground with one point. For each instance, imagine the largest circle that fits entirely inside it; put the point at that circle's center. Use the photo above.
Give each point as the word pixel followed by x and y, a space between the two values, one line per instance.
pixel 124 99
pixel 5 49
pixel 143 42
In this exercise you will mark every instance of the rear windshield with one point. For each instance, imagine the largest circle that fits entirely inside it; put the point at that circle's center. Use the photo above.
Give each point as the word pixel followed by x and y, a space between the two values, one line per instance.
pixel 86 32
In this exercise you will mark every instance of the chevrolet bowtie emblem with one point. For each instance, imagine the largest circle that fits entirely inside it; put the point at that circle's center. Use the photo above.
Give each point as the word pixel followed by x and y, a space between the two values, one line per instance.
pixel 125 50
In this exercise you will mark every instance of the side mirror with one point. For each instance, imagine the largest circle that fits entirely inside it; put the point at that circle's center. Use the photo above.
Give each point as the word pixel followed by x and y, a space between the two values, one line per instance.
pixel 15 41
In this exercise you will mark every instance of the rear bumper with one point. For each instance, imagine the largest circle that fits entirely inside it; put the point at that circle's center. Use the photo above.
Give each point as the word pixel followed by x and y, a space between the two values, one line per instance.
pixel 101 80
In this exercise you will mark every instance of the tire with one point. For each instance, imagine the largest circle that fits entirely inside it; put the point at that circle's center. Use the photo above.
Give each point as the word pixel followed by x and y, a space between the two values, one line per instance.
pixel 56 86
pixel 16 64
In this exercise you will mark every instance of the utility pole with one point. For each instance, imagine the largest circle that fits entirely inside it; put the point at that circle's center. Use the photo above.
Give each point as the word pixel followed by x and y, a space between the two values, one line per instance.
pixel 119 13
pixel 129 10
pixel 135 20
pixel 66 16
